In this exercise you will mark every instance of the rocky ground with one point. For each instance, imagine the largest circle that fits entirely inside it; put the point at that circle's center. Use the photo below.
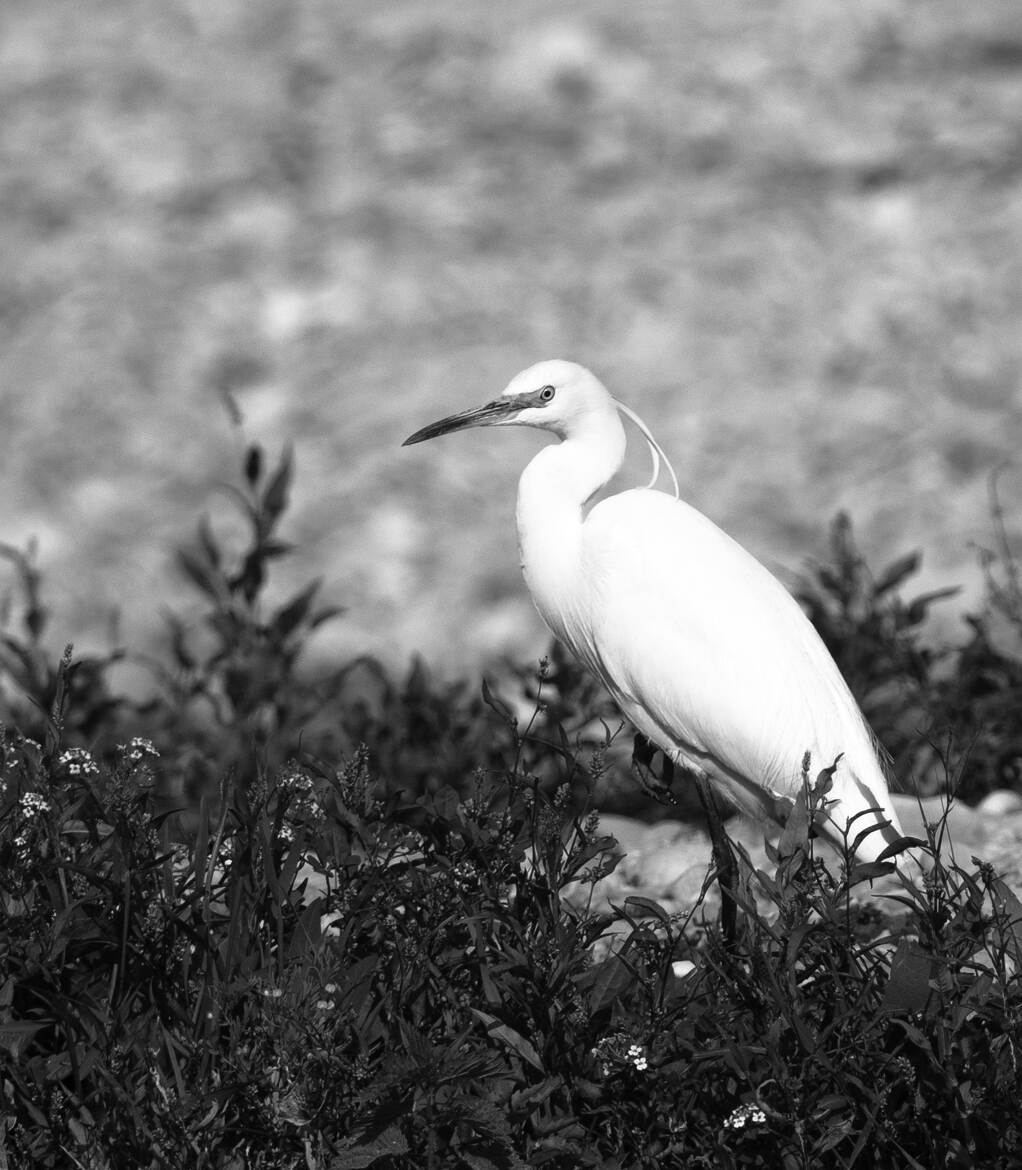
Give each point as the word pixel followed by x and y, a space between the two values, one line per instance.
pixel 667 862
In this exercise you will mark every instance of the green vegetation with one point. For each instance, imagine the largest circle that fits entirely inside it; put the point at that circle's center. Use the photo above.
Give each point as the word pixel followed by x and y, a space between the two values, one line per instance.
pixel 268 920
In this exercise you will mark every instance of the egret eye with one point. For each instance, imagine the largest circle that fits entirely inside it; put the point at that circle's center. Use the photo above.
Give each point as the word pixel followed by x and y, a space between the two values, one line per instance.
pixel 546 394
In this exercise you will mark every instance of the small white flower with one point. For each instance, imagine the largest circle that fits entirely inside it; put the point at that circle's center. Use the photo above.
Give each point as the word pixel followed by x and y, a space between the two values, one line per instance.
pixel 295 781
pixel 33 804
pixel 141 748
pixel 79 762
pixel 138 750
pixel 743 1115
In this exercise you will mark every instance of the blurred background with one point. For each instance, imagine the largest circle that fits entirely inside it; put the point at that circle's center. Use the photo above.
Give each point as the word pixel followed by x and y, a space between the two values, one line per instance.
pixel 788 235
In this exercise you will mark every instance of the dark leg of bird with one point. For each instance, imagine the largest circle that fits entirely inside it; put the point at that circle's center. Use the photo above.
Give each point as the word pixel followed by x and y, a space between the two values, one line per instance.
pixel 659 788
pixel 642 750
pixel 723 860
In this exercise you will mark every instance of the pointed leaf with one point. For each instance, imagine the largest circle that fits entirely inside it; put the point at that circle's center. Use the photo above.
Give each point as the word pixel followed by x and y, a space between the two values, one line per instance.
pixel 649 907
pixel 896 572
pixel 202 575
pixel 825 778
pixel 901 845
pixel 326 614
pixel 208 544
pixel 291 615
pixel 179 642
pixel 908 989
pixel 1009 910
pixel 609 981
pixel 872 829
pixel 499 706
pixel 275 497
pixel 251 577
pixel 917 611
pixel 796 828
pixel 275 548
pixel 253 464
pixel 868 871
pixel 514 1040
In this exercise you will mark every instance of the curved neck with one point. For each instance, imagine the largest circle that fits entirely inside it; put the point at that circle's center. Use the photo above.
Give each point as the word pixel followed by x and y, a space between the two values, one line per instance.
pixel 552 492
pixel 571 472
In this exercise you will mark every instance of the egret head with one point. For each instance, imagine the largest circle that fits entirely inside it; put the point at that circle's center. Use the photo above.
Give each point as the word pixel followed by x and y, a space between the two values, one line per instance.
pixel 554 395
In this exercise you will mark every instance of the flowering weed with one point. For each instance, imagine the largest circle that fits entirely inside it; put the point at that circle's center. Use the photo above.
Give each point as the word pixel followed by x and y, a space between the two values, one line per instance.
pixel 220 948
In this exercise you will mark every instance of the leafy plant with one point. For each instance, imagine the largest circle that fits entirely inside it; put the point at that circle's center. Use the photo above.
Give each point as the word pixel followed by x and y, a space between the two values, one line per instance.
pixel 30 675
pixel 331 973
pixel 369 931
pixel 235 679
pixel 977 706
pixel 875 637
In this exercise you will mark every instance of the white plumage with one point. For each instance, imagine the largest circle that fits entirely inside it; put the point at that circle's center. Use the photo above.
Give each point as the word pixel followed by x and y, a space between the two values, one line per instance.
pixel 704 651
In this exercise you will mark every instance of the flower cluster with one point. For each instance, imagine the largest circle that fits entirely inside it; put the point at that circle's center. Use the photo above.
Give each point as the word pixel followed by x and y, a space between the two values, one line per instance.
pixel 79 762
pixel 302 804
pixel 744 1115
pixel 295 781
pixel 33 804
pixel 618 1049
pixel 226 854
pixel 138 750
pixel 464 876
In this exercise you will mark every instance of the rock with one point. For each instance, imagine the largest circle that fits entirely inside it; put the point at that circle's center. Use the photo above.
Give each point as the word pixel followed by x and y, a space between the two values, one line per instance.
pixel 667 862
pixel 1000 803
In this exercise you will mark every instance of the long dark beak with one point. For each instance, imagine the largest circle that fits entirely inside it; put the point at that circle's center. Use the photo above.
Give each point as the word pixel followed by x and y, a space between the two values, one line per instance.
pixel 480 416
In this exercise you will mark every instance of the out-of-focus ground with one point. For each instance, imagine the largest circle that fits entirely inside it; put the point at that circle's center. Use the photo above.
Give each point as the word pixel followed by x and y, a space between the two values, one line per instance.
pixel 789 235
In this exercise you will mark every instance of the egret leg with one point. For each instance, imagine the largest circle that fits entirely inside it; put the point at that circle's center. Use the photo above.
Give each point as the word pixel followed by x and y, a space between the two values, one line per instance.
pixel 723 860
pixel 724 864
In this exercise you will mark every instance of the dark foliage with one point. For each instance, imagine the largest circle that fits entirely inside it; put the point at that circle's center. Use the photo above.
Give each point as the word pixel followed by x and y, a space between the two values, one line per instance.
pixel 372 940
pixel 329 975
pixel 948 711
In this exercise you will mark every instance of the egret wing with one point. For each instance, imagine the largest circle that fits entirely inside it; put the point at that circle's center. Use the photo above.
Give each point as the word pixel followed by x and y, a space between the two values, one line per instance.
pixel 712 658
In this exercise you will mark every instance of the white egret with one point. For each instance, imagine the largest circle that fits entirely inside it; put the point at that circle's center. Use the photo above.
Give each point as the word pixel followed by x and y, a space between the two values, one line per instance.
pixel 707 654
